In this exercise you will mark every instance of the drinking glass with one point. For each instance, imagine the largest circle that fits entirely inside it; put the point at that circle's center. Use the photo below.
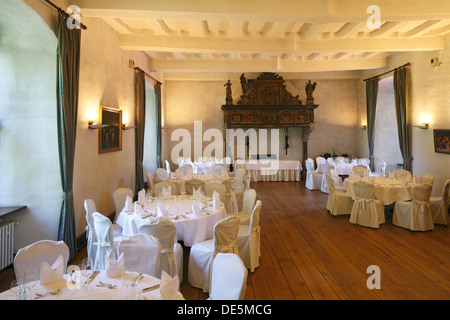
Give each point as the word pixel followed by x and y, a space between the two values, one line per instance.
pixel 17 289
pixel 86 271
pixel 30 280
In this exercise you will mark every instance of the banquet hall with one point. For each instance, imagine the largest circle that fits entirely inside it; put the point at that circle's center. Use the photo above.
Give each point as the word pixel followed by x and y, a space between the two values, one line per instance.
pixel 287 98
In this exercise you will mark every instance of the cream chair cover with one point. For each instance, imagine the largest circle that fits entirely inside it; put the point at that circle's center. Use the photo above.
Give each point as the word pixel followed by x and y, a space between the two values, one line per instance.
pixel 171 251
pixel 91 237
pixel 192 184
pixel 248 203
pixel 186 169
pixel 313 178
pixel 239 177
pixel 415 214
pixel 219 188
pixel 359 172
pixel 249 240
pixel 229 277
pixel 426 178
pixel 326 169
pixel 106 242
pixel 364 162
pixel 401 174
pixel 439 205
pixel 202 253
pixel 150 180
pixel 366 210
pixel 338 203
pixel 161 174
pixel 34 254
pixel 158 188
pixel 218 167
pixel 142 253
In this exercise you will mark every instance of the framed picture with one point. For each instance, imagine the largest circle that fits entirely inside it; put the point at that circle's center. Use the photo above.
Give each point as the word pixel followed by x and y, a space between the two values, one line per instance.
pixel 442 140
pixel 110 137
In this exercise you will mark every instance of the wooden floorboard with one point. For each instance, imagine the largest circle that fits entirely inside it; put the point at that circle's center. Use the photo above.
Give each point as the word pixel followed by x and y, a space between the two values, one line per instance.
pixel 307 254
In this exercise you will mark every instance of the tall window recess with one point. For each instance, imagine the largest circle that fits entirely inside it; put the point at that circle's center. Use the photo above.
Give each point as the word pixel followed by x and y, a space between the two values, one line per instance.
pixel 150 162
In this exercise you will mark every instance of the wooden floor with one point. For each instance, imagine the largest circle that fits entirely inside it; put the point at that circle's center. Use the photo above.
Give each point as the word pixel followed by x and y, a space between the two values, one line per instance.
pixel 307 254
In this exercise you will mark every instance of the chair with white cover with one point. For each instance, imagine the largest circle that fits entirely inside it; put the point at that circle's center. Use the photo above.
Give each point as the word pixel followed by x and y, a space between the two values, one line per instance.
pixel 167 166
pixel 202 253
pixel 119 199
pixel 161 175
pixel 401 174
pixel 218 167
pixel 220 188
pixel 239 177
pixel 34 254
pixel 326 169
pixel 364 162
pixel 359 172
pixel 313 178
pixel 415 215
pixel 91 237
pixel 249 240
pixel 339 202
pixel 248 204
pixel 380 169
pixel 158 188
pixel 192 184
pixel 320 161
pixel 426 178
pixel 228 278
pixel 366 211
pixel 142 253
pixel 106 242
pixel 149 180
pixel 439 205
pixel 186 169
pixel 165 231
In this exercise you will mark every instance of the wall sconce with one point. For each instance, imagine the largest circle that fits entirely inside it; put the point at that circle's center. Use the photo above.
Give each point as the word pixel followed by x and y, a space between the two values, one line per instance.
pixel 125 127
pixel 363 127
pixel 93 125
pixel 422 126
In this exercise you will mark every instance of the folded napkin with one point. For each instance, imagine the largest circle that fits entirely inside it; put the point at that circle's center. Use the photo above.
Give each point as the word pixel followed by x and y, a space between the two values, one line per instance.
pixel 54 273
pixel 169 287
pixel 141 195
pixel 128 203
pixel 163 211
pixel 114 268
pixel 216 200
pixel 197 208
pixel 166 192
pixel 139 209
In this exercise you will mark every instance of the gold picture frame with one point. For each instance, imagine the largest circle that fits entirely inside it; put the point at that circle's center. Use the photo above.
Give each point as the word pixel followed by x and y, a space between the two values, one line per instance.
pixel 110 137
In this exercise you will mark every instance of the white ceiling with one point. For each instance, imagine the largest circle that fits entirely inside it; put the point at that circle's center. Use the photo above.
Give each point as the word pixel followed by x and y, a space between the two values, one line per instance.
pixel 267 35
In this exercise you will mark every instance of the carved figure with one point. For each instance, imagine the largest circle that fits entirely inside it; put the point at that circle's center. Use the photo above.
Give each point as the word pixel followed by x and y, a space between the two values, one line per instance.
pixel 228 95
pixel 309 88
pixel 244 85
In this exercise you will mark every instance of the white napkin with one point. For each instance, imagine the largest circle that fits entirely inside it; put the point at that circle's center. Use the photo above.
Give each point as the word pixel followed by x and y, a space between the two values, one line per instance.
pixel 169 287
pixel 216 200
pixel 54 273
pixel 163 211
pixel 166 192
pixel 114 268
pixel 139 209
pixel 128 203
pixel 141 195
pixel 197 208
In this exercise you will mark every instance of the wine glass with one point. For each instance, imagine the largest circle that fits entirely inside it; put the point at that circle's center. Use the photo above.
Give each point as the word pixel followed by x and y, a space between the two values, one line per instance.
pixel 17 288
pixel 86 271
pixel 128 285
pixel 30 279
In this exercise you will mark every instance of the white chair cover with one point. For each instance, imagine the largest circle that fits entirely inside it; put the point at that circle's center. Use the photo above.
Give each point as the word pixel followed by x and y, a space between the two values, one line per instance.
pixel 203 253
pixel 416 214
pixel 380 169
pixel 426 178
pixel 161 174
pixel 239 176
pixel 366 210
pixel 439 205
pixel 229 277
pixel 106 241
pixel 192 184
pixel 142 253
pixel 326 169
pixel 149 180
pixel 171 251
pixel 91 237
pixel 248 203
pixel 119 197
pixel 32 256
pixel 319 162
pixel 249 240
pixel 186 169
pixel 313 179
pixel 364 162
pixel 218 167
pixel 158 188
pixel 338 203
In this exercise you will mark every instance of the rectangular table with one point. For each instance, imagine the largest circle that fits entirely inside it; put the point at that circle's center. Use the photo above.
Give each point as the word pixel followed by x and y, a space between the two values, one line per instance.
pixel 272 170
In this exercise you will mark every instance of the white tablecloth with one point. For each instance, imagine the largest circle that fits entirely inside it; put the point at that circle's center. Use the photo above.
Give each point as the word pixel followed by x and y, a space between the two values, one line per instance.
pixel 272 170
pixel 190 229
pixel 388 190
pixel 71 291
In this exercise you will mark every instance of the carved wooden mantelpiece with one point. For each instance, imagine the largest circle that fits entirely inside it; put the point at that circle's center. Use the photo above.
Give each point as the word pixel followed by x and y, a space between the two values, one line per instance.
pixel 265 103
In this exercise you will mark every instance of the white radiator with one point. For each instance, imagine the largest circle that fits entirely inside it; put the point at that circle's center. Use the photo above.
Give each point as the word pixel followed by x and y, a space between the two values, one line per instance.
pixel 6 244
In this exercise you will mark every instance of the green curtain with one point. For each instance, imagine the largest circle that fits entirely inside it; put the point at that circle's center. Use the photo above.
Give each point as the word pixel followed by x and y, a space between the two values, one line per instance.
pixel 68 66
pixel 401 92
pixel 159 132
pixel 371 105
pixel 140 131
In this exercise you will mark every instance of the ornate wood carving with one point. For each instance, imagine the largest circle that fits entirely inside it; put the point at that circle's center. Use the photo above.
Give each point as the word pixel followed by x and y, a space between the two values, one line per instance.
pixel 265 102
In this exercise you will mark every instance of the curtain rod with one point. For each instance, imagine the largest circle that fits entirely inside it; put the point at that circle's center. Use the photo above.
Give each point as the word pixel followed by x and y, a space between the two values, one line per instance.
pixel 405 65
pixel 61 10
pixel 137 68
